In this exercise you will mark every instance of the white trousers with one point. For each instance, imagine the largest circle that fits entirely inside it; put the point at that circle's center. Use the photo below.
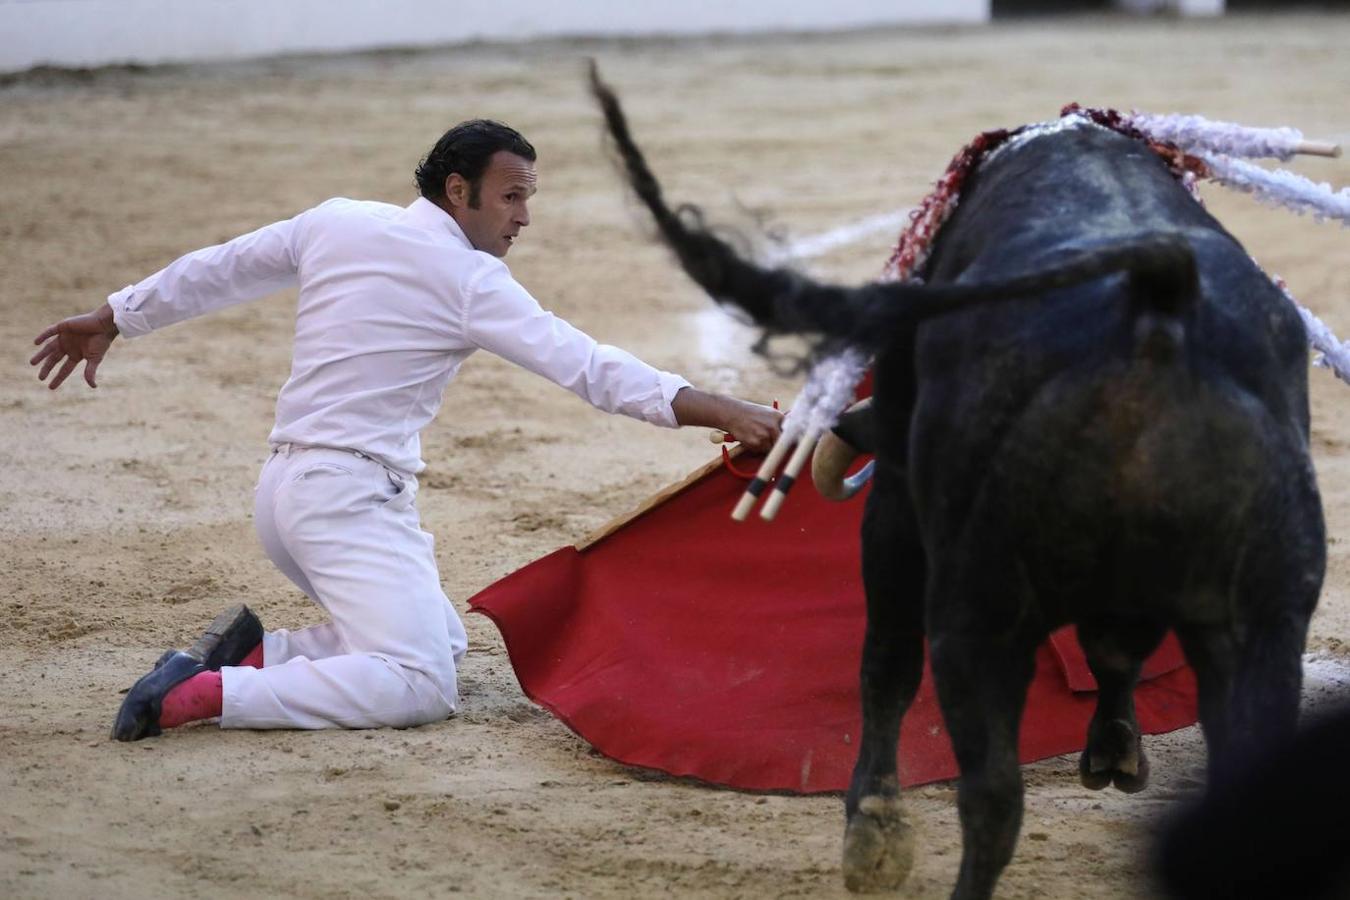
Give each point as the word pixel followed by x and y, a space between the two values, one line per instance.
pixel 345 529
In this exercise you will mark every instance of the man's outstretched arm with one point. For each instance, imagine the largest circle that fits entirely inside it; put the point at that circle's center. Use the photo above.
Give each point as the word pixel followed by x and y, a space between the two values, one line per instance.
pixel 252 265
pixel 504 319
pixel 69 341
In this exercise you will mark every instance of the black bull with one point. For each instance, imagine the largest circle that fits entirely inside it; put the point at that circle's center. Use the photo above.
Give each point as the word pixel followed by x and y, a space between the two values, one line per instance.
pixel 1095 412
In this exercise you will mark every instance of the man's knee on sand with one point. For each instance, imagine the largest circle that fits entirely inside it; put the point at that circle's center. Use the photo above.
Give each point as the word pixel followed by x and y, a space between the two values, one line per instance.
pixel 436 694
pixel 431 675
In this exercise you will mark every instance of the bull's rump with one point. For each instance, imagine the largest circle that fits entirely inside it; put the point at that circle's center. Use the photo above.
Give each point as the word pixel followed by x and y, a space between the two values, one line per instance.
pixel 1132 497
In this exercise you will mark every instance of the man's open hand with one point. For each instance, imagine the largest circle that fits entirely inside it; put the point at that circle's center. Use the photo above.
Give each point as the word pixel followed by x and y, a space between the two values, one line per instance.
pixel 85 337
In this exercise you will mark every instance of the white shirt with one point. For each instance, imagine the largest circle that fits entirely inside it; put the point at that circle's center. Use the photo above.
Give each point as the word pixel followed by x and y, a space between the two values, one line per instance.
pixel 392 301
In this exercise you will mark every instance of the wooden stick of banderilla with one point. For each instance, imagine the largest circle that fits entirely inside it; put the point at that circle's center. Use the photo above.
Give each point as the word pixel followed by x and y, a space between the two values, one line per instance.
pixel 1318 148
pixel 761 480
pixel 789 476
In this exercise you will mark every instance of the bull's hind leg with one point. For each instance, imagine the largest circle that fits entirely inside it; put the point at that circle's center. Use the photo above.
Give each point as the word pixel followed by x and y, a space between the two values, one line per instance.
pixel 1249 678
pixel 878 844
pixel 1249 667
pixel 1114 753
pixel 982 684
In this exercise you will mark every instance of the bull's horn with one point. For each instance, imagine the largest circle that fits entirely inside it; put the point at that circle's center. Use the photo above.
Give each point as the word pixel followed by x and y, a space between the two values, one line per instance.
pixel 832 458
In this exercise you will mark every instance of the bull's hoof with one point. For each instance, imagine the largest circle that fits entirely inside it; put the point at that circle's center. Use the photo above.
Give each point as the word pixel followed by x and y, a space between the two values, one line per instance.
pixel 878 846
pixel 1114 755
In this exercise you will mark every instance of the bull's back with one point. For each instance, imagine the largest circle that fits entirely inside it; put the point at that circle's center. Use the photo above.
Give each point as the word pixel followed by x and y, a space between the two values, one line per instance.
pixel 1065 190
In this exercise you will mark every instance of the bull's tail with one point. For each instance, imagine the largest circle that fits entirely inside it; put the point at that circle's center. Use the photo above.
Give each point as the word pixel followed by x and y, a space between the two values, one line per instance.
pixel 1162 271
pixel 706 258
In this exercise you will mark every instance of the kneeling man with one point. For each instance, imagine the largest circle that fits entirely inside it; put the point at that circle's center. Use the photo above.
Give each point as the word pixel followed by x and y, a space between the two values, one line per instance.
pixel 392 301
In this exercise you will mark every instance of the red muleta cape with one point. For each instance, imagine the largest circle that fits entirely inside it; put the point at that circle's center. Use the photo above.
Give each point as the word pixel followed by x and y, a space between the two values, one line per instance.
pixel 729 652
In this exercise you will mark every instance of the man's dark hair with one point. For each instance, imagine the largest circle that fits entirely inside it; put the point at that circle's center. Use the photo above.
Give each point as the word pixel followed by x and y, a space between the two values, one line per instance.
pixel 466 149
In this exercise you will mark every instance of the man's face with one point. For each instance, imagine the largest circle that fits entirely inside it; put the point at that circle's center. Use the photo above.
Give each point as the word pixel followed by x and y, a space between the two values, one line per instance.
pixel 493 216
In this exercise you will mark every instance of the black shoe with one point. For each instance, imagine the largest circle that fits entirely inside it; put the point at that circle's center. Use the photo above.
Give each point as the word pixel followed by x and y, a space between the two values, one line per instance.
pixel 139 715
pixel 226 641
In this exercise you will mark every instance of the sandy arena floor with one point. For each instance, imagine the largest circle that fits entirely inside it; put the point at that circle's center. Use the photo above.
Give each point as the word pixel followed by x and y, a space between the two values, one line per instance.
pixel 127 524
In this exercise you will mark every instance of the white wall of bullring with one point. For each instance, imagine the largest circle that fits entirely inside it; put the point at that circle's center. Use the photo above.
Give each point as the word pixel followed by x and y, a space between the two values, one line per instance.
pixel 101 32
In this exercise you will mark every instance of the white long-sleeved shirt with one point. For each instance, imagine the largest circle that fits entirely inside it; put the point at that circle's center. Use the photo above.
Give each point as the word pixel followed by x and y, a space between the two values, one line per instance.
pixel 392 301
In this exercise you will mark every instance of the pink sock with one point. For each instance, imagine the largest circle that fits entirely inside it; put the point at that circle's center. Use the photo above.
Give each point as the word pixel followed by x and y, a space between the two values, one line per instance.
pixel 199 697
pixel 254 658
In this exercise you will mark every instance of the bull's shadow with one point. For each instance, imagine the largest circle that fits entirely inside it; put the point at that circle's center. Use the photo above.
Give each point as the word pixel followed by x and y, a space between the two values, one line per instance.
pixel 1094 411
